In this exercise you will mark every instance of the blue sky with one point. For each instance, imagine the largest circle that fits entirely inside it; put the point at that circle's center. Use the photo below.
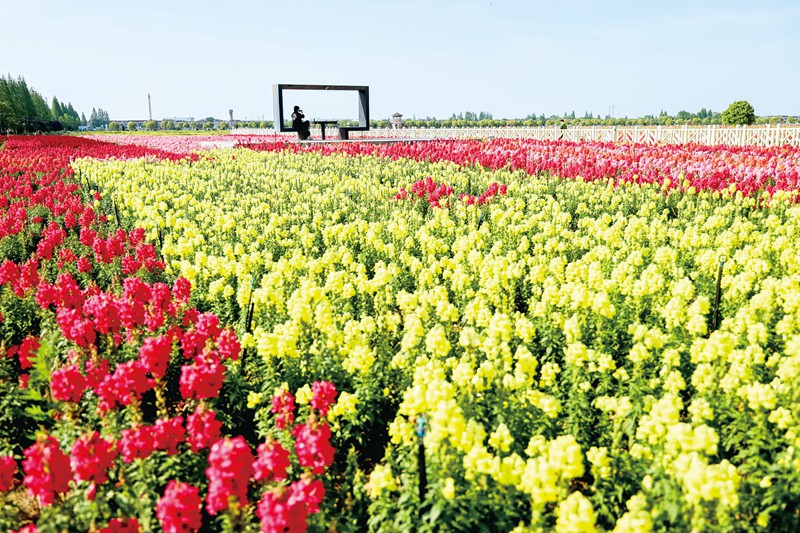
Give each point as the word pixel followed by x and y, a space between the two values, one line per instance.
pixel 510 58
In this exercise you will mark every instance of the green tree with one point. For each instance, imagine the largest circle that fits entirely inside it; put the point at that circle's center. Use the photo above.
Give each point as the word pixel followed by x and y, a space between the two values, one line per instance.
pixel 55 108
pixel 167 125
pixel 739 112
pixel 151 125
pixel 132 126
pixel 114 126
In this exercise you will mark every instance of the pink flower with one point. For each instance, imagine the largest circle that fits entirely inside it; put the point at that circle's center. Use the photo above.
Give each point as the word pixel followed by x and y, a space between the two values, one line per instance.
pixel 309 491
pixel 230 465
pixel 75 327
pixel 200 381
pixel 313 447
pixel 168 433
pixel 121 525
pixel 47 469
pixel 84 264
pixel 179 509
pixel 181 290
pixel 105 311
pixel 280 512
pixel 324 394
pixel 26 351
pixel 202 429
pixel 67 384
pixel 90 458
pixel 272 462
pixel 127 384
pixel 283 407
pixel 155 355
pixel 228 345
pixel 136 443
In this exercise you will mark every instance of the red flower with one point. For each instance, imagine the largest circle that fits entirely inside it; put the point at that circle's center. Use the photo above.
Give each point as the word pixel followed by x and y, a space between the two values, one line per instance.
pixel 26 351
pixel 283 407
pixel 67 384
pixel 310 491
pixel 179 509
pixel 181 290
pixel 324 394
pixel 121 525
pixel 312 445
pixel 84 265
pixel 230 465
pixel 47 469
pixel 90 457
pixel 272 462
pixel 104 309
pixel 280 512
pixel 155 355
pixel 202 428
pixel 75 327
pixel 126 385
pixel 228 345
pixel 168 433
pixel 8 467
pixel 200 381
pixel 136 443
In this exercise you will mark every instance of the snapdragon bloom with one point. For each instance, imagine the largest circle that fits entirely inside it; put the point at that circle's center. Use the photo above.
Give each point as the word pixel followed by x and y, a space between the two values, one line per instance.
pixel 8 467
pixel 179 509
pixel 312 445
pixel 90 458
pixel 202 429
pixel 272 462
pixel 47 469
pixel 324 394
pixel 230 466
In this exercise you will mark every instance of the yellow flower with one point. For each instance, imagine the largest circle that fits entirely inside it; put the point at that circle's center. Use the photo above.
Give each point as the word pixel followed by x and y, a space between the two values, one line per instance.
pixel 501 438
pixel 253 399
pixel 576 515
pixel 303 395
pixel 380 479
pixel 449 489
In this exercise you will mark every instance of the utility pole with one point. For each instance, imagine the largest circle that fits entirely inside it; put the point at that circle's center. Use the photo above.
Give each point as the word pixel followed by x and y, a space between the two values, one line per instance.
pixel 149 107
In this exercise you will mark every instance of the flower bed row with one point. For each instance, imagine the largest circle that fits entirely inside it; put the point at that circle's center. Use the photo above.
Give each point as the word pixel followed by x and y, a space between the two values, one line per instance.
pixel 556 353
pixel 122 406
pixel 748 169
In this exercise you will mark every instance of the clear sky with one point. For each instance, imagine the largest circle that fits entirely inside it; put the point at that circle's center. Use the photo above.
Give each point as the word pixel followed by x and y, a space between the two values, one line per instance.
pixel 433 58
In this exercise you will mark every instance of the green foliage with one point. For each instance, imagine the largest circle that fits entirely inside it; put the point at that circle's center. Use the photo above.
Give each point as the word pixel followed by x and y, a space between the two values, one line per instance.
pixel 132 126
pixel 151 125
pixel 114 126
pixel 22 109
pixel 739 113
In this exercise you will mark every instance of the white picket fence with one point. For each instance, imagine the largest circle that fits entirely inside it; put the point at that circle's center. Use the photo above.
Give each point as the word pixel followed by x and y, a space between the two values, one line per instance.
pixel 767 135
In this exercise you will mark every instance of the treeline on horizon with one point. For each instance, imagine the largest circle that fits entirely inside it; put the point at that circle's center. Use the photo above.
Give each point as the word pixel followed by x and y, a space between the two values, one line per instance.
pixel 24 110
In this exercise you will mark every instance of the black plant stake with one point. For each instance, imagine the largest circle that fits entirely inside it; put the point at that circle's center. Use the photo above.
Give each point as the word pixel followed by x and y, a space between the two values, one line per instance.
pixel 422 428
pixel 116 213
pixel 715 318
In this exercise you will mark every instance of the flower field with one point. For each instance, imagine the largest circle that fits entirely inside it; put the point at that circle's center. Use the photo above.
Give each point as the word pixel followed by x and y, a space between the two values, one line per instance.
pixel 447 336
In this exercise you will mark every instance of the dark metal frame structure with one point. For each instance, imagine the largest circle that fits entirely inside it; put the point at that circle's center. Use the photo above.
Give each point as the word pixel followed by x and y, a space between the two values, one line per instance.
pixel 363 104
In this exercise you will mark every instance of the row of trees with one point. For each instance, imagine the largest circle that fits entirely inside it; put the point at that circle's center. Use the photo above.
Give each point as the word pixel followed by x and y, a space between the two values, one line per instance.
pixel 24 110
pixel 737 113
pixel 170 125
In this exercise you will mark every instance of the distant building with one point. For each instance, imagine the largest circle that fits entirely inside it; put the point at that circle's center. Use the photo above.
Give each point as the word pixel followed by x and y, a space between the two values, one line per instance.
pixel 396 120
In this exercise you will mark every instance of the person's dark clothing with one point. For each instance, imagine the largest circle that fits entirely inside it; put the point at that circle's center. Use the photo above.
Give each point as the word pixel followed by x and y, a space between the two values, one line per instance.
pixel 302 126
